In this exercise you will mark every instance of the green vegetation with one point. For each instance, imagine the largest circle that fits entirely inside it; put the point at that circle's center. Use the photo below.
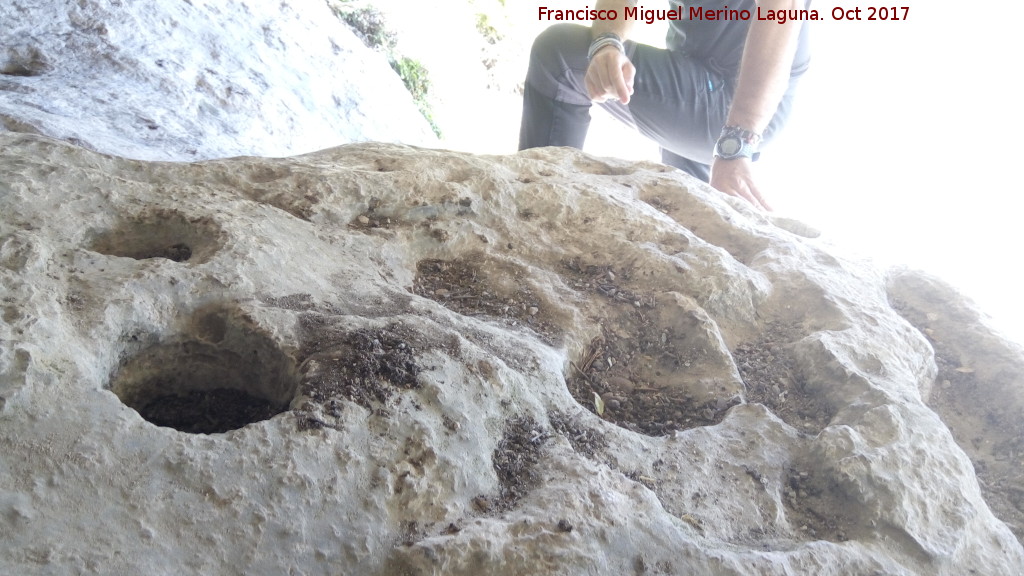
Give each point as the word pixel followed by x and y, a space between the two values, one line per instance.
pixel 367 23
pixel 370 25
pixel 491 18
pixel 417 82
pixel 488 31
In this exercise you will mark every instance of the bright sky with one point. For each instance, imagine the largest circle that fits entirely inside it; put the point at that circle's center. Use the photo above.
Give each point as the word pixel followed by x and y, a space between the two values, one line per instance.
pixel 899 148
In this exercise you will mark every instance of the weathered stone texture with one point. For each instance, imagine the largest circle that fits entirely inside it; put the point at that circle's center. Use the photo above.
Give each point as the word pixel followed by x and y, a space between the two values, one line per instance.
pixel 434 332
pixel 197 79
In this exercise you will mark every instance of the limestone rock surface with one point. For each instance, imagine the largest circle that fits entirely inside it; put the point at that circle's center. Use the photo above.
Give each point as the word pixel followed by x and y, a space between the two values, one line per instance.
pixel 377 359
pixel 197 79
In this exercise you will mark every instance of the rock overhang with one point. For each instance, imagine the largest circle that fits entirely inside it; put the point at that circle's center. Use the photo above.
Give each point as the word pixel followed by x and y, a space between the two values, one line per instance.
pixel 476 361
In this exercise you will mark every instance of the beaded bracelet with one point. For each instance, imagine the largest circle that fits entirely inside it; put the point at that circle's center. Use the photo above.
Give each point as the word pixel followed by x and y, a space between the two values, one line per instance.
pixel 606 39
pixel 748 136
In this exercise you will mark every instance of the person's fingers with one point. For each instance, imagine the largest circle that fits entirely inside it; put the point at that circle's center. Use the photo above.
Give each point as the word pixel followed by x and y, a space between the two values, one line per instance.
pixel 760 200
pixel 739 190
pixel 596 86
pixel 612 78
pixel 610 75
pixel 620 87
pixel 742 191
pixel 734 178
pixel 752 195
pixel 591 83
pixel 604 81
pixel 629 75
pixel 595 80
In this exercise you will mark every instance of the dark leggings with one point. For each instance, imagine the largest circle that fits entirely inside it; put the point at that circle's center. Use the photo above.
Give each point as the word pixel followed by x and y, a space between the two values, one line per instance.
pixel 678 101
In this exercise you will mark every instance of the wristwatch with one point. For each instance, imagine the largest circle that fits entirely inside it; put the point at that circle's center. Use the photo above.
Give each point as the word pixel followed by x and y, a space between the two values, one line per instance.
pixel 735 142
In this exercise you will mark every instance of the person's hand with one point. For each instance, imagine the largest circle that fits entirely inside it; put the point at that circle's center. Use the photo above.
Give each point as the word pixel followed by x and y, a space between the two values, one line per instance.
pixel 610 75
pixel 735 178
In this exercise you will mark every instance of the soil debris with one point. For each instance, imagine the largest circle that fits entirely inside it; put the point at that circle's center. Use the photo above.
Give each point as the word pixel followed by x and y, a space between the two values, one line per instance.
pixel 635 373
pixel 515 460
pixel 766 366
pixel 813 507
pixel 208 411
pixel 603 281
pixel 990 434
pixel 605 381
pixel 468 287
pixel 584 440
pixel 365 366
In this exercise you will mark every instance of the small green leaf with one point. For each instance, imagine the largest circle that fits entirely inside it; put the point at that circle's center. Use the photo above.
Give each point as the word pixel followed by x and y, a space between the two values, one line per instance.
pixel 598 404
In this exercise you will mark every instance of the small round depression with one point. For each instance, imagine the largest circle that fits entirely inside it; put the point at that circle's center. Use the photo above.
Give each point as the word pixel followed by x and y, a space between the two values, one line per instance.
pixel 161 234
pixel 23 61
pixel 201 387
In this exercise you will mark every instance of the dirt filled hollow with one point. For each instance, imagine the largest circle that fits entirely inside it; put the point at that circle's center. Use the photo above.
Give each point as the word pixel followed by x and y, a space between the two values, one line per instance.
pixel 202 388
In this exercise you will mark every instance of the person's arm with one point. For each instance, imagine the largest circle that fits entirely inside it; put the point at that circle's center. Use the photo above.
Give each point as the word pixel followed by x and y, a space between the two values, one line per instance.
pixel 610 74
pixel 762 82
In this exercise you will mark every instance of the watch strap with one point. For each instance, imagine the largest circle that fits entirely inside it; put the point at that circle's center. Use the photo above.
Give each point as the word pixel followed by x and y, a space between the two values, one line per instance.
pixel 749 140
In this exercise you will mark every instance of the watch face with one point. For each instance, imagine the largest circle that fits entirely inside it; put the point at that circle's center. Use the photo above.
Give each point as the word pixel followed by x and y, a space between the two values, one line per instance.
pixel 729 146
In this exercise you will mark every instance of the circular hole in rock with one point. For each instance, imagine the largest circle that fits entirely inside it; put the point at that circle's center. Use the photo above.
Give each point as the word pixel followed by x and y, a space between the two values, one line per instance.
pixel 202 387
pixel 658 366
pixel 161 234
pixel 18 69
pixel 23 61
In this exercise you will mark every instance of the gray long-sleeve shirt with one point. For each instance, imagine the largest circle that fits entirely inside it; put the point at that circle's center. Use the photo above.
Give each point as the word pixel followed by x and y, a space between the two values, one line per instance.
pixel 719 43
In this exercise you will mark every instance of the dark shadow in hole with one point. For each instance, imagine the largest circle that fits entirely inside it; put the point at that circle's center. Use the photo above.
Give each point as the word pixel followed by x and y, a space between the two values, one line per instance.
pixel 18 69
pixel 222 375
pixel 161 234
pixel 23 61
